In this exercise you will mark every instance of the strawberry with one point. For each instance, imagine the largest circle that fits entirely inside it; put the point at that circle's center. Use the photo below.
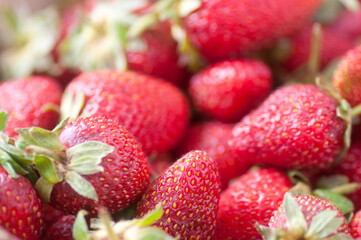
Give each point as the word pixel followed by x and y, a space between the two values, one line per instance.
pixel 250 199
pixel 348 24
pixel 188 192
pixel 347 76
pixel 62 229
pixel 228 90
pixel 30 102
pixel 221 29
pixel 21 212
pixel 308 217
pixel 97 163
pixel 148 105
pixel 351 168
pixel 355 225
pixel 333 45
pixel 153 52
pixel 51 215
pixel 212 137
pixel 296 127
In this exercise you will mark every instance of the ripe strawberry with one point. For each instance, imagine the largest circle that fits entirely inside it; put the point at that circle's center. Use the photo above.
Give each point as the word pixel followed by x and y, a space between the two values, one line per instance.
pixel 189 194
pixel 221 29
pixel 21 212
pixel 61 229
pixel 51 215
pixel 308 217
pixel 250 199
pixel 348 24
pixel 98 164
pixel 154 111
pixel 351 168
pixel 333 45
pixel 228 90
pixel 27 102
pixel 212 137
pixel 355 225
pixel 347 76
pixel 297 127
pixel 154 52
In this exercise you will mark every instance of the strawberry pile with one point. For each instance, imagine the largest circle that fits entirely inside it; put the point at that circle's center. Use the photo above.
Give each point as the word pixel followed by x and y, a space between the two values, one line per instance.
pixel 181 119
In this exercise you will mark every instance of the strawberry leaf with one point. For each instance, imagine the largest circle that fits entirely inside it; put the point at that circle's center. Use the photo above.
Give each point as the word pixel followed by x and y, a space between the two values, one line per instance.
pixel 42 138
pixel 352 5
pixel 86 157
pixel 81 185
pixel 80 227
pixel 46 169
pixel 186 7
pixel 72 105
pixel 3 118
pixel 323 224
pixel 60 126
pixel 151 217
pixel 296 221
pixel 43 188
pixel 341 202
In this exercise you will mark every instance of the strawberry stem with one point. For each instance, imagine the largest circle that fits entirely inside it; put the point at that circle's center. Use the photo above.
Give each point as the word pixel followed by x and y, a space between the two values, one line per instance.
pixel 356 111
pixel 105 217
pixel 313 64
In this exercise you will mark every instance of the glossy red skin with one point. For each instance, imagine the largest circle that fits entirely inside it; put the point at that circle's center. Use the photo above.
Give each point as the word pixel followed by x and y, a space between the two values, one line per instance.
pixel 228 90
pixel 333 45
pixel 24 100
pixel 351 167
pixel 249 200
pixel 20 207
pixel 160 59
pixel 189 193
pixel 61 229
pixel 224 28
pixel 51 215
pixel 296 127
pixel 126 172
pixel 355 225
pixel 348 24
pixel 310 207
pixel 212 137
pixel 347 76
pixel 154 111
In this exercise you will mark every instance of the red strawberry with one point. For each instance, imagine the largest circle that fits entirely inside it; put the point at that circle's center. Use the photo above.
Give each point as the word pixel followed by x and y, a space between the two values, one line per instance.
pixel 351 168
pixel 250 199
pixel 347 76
pixel 308 217
pixel 348 24
pixel 297 127
pixel 154 111
pixel 333 45
pixel 221 29
pixel 189 194
pixel 161 163
pixel 228 90
pixel 28 103
pixel 61 229
pixel 212 137
pixel 20 207
pixel 154 52
pixel 51 215
pixel 100 164
pixel 355 225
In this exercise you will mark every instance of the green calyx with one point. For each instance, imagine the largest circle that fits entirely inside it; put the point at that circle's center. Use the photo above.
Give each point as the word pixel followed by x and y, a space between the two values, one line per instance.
pixel 173 10
pixel 105 228
pixel 26 37
pixel 105 29
pixel 72 105
pixel 322 227
pixel 56 163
